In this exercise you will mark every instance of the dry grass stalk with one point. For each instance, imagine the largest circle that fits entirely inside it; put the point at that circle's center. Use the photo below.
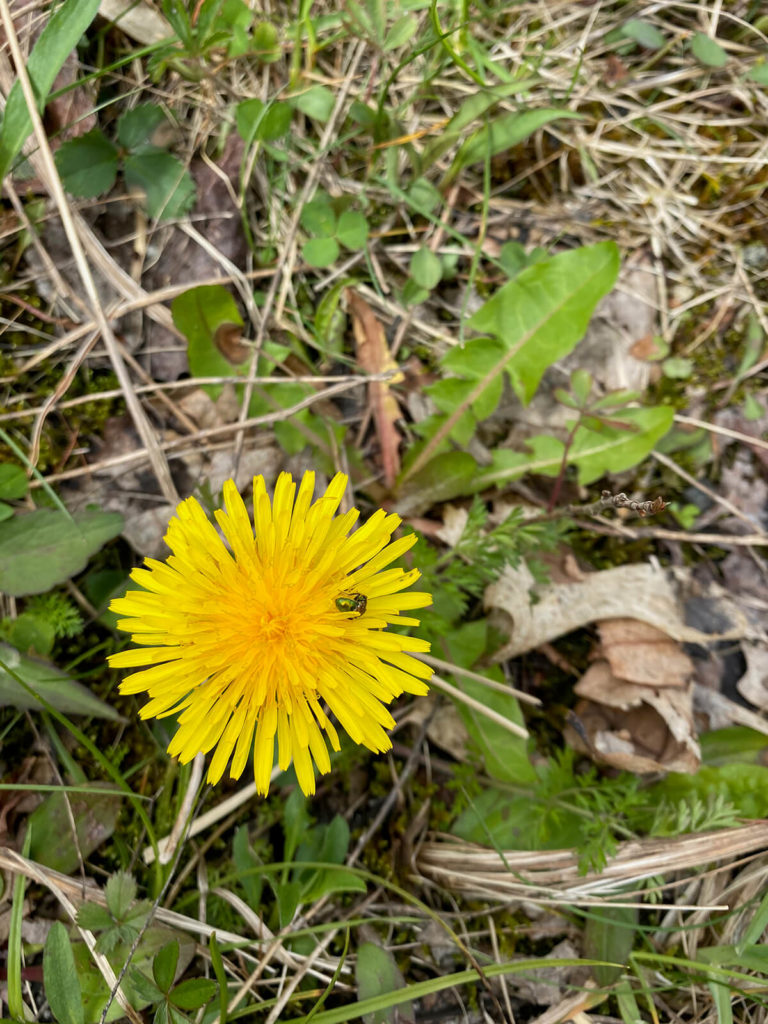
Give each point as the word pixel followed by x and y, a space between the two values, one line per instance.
pixel 552 876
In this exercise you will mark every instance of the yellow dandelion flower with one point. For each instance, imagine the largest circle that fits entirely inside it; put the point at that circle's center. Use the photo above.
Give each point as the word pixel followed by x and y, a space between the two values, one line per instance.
pixel 252 639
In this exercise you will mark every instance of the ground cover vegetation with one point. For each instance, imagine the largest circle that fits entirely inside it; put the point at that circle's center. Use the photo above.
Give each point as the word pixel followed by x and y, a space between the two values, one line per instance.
pixel 491 277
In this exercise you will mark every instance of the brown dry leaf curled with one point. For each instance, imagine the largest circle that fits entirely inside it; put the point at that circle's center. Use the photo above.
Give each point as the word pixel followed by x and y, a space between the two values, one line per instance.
pixel 373 357
pixel 643 654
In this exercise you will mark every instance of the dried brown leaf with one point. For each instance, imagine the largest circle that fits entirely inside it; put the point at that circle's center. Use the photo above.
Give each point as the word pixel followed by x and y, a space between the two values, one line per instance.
pixel 373 356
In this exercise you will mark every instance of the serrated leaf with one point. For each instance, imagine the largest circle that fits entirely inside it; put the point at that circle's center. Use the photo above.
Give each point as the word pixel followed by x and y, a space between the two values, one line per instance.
pixel 13 481
pixel 543 313
pixel 594 455
pixel 320 252
pixel 644 33
pixel 61 692
pixel 137 126
pixel 199 313
pixel 167 185
pixel 317 102
pixel 707 51
pixel 352 230
pixel 41 549
pixel 60 980
pixel 94 917
pixel 120 892
pixel 61 32
pixel 426 268
pixel 87 165
pixel 504 133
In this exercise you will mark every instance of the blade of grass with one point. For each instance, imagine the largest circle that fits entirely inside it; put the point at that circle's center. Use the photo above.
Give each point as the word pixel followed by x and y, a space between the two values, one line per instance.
pixel 14 998
pixel 60 35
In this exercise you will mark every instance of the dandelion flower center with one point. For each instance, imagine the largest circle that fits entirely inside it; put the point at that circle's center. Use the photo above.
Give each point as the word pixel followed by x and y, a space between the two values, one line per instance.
pixel 254 639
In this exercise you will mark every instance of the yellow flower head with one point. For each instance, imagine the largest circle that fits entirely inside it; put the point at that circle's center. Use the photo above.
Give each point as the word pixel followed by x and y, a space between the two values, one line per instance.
pixel 250 640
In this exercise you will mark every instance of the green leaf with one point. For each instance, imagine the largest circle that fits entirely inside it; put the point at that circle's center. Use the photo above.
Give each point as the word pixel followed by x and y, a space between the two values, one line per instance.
pixel 317 218
pixel 199 314
pixel 610 935
pixel 53 843
pixel 505 756
pixel 744 785
pixel 168 186
pixel 513 258
pixel 543 313
pixel 61 33
pixel 6 512
pixel 50 683
pixel 330 320
pixel 120 892
pixel 413 294
pixel 443 477
pixel 503 133
pixel 193 993
pixel 164 966
pixel 94 917
pixel 235 14
pixel 13 481
pixel 471 110
pixel 758 73
pixel 296 822
pixel 266 42
pixel 519 822
pixel 247 866
pixel 87 165
pixel 426 268
pixel 267 122
pixel 137 126
pixel 62 986
pixel 352 230
pixel 377 973
pixel 752 410
pixel 616 450
pixel 317 102
pixel 581 385
pixel 40 549
pixel 707 51
pixel 400 32
pixel 31 633
pixel 320 252
pixel 423 195
pixel 677 367
pixel 644 33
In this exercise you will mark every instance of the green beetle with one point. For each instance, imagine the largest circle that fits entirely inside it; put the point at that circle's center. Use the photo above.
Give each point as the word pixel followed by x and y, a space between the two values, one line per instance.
pixel 352 603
